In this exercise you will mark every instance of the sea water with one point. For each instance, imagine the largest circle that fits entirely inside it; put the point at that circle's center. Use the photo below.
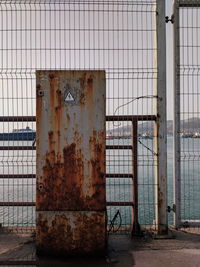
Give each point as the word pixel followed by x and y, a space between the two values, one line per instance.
pixel 117 189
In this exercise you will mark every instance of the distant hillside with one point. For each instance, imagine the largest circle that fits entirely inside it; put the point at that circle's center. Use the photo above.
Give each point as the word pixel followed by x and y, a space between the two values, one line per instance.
pixel 191 125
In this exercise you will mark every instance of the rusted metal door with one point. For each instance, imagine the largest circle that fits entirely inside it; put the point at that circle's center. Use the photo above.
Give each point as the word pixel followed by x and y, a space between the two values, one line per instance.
pixel 71 198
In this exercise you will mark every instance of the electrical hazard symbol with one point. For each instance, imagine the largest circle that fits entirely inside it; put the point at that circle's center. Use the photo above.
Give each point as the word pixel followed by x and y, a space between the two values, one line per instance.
pixel 69 97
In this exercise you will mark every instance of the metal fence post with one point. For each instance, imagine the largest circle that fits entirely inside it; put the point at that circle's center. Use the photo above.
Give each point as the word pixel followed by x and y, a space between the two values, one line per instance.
pixel 176 130
pixel 136 226
pixel 160 145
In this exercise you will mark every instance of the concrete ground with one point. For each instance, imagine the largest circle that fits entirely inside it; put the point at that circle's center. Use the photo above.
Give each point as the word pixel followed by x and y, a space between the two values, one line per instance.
pixel 181 249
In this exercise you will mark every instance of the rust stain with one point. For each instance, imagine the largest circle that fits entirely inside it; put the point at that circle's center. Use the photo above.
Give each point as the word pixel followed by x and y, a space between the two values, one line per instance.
pixel 63 177
pixel 52 86
pixel 68 117
pixel 90 80
pixel 66 186
pixel 71 197
pixel 75 233
pixel 86 101
pixel 82 80
pixel 51 141
pixel 160 198
pixel 82 99
pixel 97 149
pixel 89 95
pixel 90 89
pixel 56 106
pixel 86 95
pixel 38 112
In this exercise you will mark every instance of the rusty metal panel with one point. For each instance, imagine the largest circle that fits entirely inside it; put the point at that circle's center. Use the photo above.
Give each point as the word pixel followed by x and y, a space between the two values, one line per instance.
pixel 70 140
pixel 71 233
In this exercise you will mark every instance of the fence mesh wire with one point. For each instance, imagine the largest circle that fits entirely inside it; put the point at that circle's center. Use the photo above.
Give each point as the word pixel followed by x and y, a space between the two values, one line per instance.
pixel 116 36
pixel 189 29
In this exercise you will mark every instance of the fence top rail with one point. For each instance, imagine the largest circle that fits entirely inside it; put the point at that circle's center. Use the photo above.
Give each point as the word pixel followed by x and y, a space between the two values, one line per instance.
pixel 33 147
pixel 131 118
pixel 33 176
pixel 32 204
pixel 189 3
pixel 108 118
pixel 65 2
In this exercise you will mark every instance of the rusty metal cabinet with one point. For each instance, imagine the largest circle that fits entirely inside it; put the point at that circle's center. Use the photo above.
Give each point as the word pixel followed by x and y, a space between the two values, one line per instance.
pixel 71 197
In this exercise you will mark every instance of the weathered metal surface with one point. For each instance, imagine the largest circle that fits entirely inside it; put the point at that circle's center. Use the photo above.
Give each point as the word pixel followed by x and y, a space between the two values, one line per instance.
pixel 160 140
pixel 70 140
pixel 71 233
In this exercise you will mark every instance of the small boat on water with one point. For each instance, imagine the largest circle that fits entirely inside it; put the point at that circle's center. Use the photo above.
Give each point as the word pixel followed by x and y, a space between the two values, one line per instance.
pixel 146 136
pixel 21 134
pixel 186 135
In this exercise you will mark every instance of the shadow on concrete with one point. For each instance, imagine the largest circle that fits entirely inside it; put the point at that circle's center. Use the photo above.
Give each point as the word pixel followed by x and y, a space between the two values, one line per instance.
pixel 123 251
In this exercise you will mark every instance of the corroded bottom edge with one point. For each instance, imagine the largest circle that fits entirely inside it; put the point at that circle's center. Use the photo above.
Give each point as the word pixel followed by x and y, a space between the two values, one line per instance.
pixel 71 233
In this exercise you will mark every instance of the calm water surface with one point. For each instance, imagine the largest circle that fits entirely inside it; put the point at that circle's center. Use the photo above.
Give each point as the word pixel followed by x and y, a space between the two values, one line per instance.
pixel 117 161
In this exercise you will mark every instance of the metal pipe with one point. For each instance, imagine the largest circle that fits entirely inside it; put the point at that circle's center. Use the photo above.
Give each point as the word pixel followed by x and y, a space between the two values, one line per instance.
pixel 136 227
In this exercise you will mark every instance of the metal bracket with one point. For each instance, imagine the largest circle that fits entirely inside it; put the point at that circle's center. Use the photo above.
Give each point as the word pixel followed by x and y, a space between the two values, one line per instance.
pixel 169 209
pixel 167 19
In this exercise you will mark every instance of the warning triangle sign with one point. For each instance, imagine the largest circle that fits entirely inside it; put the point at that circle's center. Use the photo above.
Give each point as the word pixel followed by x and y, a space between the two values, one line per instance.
pixel 69 98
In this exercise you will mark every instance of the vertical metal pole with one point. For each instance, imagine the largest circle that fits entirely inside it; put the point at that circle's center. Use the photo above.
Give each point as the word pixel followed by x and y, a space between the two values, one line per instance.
pixel 160 145
pixel 176 130
pixel 136 227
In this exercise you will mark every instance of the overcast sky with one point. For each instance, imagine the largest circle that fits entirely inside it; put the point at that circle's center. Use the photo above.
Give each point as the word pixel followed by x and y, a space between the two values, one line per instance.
pixel 117 38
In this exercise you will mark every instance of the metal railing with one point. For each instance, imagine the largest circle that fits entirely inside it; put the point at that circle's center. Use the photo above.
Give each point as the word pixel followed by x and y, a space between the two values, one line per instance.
pixel 134 119
pixel 186 113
